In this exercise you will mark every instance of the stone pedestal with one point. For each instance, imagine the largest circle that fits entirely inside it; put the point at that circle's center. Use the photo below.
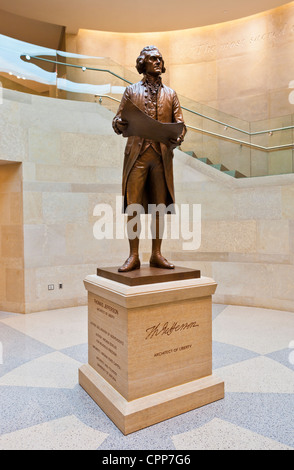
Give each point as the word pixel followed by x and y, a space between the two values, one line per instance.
pixel 150 347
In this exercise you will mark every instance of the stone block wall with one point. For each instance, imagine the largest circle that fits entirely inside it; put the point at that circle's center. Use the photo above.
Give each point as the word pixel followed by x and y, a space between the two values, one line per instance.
pixel 12 296
pixel 247 237
pixel 70 160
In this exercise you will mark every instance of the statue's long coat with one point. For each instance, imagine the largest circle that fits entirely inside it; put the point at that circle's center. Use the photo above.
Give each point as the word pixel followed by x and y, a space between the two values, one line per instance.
pixel 168 110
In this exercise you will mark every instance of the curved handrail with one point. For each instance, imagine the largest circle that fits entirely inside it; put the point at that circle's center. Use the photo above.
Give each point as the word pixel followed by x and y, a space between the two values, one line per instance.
pixel 215 120
pixel 225 137
pixel 226 125
pixel 107 96
pixel 79 67
pixel 237 128
pixel 242 142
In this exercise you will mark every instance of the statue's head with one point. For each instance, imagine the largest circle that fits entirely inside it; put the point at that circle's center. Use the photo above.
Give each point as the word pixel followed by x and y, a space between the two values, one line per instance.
pixel 150 59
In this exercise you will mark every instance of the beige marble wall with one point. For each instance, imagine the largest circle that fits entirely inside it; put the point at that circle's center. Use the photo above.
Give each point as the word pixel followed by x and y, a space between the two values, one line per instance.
pixel 12 296
pixel 71 161
pixel 241 67
pixel 247 238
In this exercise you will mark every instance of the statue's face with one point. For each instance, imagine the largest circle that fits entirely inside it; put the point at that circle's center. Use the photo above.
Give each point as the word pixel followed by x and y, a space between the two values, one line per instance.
pixel 153 63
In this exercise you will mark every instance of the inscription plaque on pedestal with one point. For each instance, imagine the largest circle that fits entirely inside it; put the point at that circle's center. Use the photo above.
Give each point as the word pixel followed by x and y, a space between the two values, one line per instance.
pixel 150 349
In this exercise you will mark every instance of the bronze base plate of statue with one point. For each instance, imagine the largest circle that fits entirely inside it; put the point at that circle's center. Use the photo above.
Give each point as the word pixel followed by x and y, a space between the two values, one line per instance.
pixel 148 275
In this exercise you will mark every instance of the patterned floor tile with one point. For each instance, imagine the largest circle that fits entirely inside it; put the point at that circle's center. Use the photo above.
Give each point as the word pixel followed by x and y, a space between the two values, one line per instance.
pixel 40 394
pixel 58 329
pixel 270 415
pixel 260 330
pixel 79 352
pixel 67 433
pixel 18 348
pixel 257 375
pixel 285 357
pixel 55 370
pixel 226 354
pixel 23 407
pixel 4 315
pixel 157 437
pixel 217 309
pixel 222 435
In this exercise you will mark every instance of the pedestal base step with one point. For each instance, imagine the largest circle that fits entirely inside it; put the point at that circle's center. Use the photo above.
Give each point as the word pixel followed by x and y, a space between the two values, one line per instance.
pixel 130 416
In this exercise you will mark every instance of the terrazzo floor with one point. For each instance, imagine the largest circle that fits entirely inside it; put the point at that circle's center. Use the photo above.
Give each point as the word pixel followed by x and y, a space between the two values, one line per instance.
pixel 44 407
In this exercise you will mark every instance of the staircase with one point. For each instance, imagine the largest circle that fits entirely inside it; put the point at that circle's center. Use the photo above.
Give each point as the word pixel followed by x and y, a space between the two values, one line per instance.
pixel 218 166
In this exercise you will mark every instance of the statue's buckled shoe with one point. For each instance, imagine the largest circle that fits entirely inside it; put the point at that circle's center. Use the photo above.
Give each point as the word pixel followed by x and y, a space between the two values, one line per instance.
pixel 158 261
pixel 130 264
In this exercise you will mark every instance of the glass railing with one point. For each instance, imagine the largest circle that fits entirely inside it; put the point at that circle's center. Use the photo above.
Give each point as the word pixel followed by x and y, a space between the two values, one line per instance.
pixel 232 145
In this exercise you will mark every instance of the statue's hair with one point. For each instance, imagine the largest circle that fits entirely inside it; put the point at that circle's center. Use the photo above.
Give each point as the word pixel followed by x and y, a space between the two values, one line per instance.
pixel 141 60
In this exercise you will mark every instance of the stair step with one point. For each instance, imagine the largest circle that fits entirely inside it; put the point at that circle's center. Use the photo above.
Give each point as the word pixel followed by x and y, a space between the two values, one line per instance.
pixel 217 166
pixel 220 166
pixel 205 160
pixel 191 153
pixel 235 173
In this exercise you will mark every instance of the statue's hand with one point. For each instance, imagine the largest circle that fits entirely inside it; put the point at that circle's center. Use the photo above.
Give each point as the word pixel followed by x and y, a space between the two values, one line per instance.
pixel 121 125
pixel 175 142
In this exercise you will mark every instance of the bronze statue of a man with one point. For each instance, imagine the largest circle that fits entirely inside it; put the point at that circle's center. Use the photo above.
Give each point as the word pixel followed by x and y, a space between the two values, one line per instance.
pixel 148 167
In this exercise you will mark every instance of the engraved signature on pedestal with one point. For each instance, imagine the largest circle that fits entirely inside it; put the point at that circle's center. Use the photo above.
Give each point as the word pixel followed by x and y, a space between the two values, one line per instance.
pixel 167 328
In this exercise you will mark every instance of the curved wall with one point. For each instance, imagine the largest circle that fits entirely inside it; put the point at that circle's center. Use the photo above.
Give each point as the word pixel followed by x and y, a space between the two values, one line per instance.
pixel 70 160
pixel 242 67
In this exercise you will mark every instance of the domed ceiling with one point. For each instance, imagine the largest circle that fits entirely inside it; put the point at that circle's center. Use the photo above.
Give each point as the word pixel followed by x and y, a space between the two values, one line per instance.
pixel 135 15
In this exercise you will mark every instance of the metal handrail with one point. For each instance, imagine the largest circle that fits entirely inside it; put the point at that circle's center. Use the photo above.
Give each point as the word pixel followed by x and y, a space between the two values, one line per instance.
pixel 225 137
pixel 237 128
pixel 215 120
pixel 242 142
pixel 107 96
pixel 268 131
pixel 80 67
